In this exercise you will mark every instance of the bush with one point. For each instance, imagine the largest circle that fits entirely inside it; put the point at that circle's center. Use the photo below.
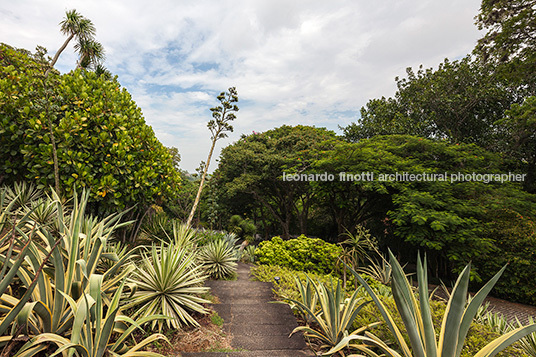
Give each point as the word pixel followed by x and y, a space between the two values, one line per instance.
pixel 286 287
pixel 302 253
pixel 514 242
pixel 103 142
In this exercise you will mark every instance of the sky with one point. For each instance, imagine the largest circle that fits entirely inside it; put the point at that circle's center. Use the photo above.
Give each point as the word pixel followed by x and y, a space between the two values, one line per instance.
pixel 292 61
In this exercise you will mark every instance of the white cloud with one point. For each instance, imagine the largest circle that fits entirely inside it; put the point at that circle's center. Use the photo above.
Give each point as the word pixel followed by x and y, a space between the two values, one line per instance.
pixel 293 62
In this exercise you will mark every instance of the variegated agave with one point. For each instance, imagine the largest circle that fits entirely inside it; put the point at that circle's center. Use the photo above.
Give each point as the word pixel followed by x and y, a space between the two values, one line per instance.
pixel 169 283
pixel 218 259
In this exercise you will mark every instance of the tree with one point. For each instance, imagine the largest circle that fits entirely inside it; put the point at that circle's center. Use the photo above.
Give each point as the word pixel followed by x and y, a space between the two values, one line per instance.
pixel 519 125
pixel 460 101
pixel 74 25
pixel 510 40
pixel 251 174
pixel 218 126
pixel 104 144
pixel 91 54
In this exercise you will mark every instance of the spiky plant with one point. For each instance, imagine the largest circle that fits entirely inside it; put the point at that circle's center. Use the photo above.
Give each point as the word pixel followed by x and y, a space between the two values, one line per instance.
pixel 183 236
pixel 332 322
pixel 169 283
pixel 248 255
pixel 417 317
pixel 381 272
pixel 528 343
pixel 218 259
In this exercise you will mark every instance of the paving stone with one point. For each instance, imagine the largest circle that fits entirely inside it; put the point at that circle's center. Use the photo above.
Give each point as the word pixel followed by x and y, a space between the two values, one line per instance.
pixel 258 327
pixel 265 353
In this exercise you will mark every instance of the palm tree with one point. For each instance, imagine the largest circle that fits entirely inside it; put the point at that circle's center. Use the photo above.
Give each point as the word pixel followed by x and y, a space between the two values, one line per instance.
pixel 73 25
pixel 91 53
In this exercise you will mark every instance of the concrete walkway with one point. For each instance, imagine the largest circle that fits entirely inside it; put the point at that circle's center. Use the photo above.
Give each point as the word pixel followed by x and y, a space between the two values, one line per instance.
pixel 258 328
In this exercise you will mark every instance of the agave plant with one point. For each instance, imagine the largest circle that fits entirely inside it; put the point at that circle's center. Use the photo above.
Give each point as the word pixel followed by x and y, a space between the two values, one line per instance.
pixel 381 272
pixel 218 259
pixel 15 246
pixel 73 252
pixel 168 283
pixel 183 236
pixel 334 317
pixel 22 194
pixel 93 326
pixel 528 343
pixel 308 297
pixel 248 254
pixel 417 317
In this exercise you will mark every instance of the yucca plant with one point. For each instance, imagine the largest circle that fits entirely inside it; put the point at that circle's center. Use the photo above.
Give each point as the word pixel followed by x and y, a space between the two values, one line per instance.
pixel 417 317
pixel 183 236
pixel 15 246
pixel 334 318
pixel 218 259
pixel 248 254
pixel 496 322
pixel 168 283
pixel 528 343
pixel 381 272
pixel 115 255
pixel 22 194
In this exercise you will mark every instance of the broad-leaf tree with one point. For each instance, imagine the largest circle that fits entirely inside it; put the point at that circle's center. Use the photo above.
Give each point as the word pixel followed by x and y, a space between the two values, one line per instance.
pixel 252 170
pixel 510 39
pixel 104 144
pixel 460 101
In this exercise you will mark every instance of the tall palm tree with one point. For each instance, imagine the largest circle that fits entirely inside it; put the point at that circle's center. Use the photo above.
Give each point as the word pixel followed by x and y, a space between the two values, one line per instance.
pixel 73 25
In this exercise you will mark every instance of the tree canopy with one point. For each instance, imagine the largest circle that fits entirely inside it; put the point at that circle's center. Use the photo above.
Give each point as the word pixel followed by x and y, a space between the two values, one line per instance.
pixel 103 142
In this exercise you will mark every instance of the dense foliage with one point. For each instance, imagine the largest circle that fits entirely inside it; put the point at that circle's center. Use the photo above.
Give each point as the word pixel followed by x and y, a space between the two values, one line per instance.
pixel 250 175
pixel 103 143
pixel 459 101
pixel 302 253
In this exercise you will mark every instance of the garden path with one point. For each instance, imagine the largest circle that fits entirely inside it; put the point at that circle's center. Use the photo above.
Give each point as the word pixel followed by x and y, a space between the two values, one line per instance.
pixel 258 327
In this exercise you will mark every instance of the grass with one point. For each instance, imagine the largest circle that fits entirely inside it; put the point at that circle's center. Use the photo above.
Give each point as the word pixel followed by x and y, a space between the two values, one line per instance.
pixel 216 319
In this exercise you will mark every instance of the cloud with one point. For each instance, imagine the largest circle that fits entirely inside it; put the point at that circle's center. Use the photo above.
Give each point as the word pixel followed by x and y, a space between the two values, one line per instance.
pixel 313 62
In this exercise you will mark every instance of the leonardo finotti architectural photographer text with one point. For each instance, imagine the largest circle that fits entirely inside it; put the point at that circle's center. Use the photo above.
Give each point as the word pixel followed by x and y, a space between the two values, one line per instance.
pixel 406 176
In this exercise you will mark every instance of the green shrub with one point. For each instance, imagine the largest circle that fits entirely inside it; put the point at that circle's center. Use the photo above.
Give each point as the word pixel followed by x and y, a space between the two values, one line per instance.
pixel 286 287
pixel 514 242
pixel 302 253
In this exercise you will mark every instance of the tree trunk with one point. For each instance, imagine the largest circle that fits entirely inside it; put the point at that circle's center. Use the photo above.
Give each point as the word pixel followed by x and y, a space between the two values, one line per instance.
pixel 57 55
pixel 198 196
pixel 52 140
pixel 55 157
